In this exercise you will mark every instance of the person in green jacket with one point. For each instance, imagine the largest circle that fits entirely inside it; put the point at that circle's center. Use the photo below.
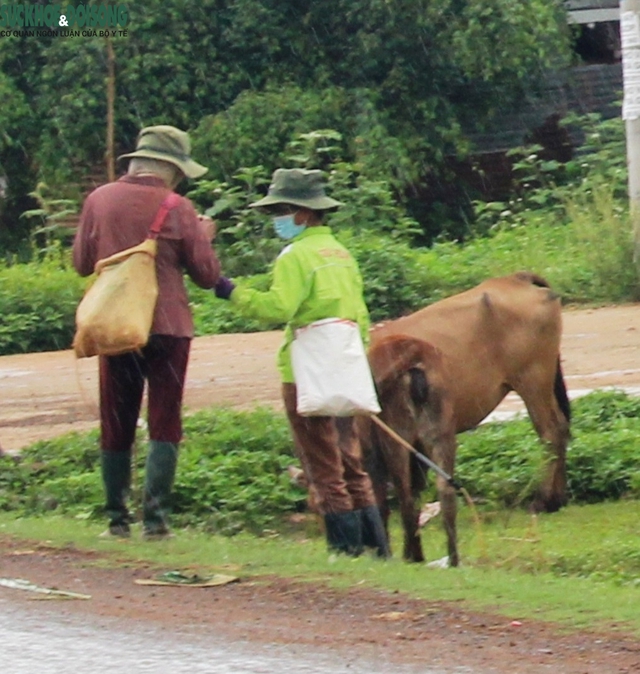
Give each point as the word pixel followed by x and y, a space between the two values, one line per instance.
pixel 315 277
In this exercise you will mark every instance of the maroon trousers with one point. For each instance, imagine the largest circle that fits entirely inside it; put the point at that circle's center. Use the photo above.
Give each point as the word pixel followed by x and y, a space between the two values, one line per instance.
pixel 330 453
pixel 163 363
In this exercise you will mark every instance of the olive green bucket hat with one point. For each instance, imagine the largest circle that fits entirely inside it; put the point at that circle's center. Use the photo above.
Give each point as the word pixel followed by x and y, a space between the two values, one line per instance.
pixel 169 144
pixel 299 187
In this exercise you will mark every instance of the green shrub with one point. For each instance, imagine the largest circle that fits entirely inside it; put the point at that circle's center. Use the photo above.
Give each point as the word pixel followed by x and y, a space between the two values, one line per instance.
pixel 602 460
pixel 231 473
pixel 587 260
pixel 38 302
pixel 393 282
pixel 245 241
pixel 212 316
pixel 257 128
pixel 232 468
pixel 571 227
pixel 61 473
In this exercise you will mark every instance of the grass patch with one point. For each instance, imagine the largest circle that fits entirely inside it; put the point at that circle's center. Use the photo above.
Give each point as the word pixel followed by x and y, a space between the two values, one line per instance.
pixel 511 567
pixel 232 473
pixel 234 507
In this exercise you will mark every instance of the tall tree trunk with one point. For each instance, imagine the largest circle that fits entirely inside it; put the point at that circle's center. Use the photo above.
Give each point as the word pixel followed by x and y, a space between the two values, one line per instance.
pixel 111 97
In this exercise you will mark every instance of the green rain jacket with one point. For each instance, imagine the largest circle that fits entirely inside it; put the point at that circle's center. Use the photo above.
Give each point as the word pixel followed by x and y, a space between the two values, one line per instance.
pixel 314 277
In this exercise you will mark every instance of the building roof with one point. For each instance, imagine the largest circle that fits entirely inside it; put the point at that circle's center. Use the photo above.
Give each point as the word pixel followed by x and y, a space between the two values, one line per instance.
pixel 573 5
pixel 593 11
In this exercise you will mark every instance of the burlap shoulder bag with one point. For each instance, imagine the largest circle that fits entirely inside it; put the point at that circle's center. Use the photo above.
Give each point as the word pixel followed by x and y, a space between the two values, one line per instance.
pixel 116 313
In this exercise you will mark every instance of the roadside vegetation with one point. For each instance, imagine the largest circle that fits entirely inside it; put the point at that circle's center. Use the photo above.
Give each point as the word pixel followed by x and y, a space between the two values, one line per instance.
pixel 566 222
pixel 233 476
pixel 235 505
pixel 404 85
pixel 384 108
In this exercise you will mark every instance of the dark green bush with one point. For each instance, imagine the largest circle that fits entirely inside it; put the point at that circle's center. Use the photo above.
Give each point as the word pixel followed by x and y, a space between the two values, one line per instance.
pixel 38 303
pixel 392 276
pixel 502 462
pixel 257 127
pixel 61 473
pixel 232 468
pixel 38 300
pixel 231 473
pixel 212 316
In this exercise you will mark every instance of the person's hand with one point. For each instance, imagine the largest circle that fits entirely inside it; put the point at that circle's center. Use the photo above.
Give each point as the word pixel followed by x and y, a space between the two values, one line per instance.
pixel 224 287
pixel 208 226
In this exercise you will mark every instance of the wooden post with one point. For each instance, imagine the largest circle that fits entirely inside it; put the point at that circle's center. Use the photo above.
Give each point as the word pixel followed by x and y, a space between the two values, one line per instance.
pixel 630 42
pixel 111 97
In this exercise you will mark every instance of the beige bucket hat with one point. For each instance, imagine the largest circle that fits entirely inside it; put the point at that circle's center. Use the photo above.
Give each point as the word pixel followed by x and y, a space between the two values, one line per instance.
pixel 169 144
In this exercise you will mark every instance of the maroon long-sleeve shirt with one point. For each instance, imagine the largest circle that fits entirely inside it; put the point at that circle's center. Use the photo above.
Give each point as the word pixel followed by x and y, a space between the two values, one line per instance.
pixel 118 215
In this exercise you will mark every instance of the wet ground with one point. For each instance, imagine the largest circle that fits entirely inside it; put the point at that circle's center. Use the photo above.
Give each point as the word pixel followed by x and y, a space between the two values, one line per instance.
pixel 37 638
pixel 265 625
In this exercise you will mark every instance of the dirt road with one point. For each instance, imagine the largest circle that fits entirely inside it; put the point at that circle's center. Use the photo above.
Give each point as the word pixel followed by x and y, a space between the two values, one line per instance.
pixel 47 394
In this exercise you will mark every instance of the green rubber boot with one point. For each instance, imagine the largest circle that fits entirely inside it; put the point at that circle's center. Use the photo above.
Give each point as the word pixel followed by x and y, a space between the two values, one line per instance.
pixel 373 532
pixel 344 532
pixel 160 473
pixel 116 477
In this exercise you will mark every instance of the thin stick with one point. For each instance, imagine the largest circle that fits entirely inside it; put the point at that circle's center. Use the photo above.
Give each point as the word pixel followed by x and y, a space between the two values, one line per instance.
pixel 421 457
pixel 450 480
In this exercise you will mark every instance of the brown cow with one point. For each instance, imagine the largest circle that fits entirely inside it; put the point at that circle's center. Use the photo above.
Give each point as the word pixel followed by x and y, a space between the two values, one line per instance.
pixel 442 370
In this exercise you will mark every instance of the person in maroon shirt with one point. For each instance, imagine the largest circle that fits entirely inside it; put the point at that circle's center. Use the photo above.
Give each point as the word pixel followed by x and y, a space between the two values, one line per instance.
pixel 116 216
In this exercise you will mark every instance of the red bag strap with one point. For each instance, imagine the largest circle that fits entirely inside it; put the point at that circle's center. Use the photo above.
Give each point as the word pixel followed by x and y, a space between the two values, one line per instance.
pixel 170 201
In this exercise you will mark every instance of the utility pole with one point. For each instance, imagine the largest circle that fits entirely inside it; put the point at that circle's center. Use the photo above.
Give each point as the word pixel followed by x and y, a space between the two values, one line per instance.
pixel 630 42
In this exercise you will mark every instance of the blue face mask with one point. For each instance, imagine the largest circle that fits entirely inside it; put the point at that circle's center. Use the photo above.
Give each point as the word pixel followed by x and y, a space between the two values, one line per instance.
pixel 286 227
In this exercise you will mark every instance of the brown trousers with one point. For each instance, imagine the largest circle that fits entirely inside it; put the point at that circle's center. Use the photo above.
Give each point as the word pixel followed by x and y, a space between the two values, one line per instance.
pixel 330 453
pixel 163 363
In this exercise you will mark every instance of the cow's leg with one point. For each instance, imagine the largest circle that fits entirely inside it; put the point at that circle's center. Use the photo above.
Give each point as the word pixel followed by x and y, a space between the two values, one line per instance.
pixel 553 429
pixel 444 454
pixel 399 467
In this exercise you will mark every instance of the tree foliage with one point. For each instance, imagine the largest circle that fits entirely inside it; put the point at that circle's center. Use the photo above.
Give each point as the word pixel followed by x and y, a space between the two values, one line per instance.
pixel 401 80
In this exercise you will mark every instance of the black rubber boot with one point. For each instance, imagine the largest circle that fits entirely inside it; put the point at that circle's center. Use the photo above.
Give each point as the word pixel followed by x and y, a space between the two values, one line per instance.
pixel 344 532
pixel 160 472
pixel 373 532
pixel 116 476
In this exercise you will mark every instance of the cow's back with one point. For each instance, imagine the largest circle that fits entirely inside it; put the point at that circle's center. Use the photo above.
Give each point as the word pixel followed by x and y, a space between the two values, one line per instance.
pixel 489 336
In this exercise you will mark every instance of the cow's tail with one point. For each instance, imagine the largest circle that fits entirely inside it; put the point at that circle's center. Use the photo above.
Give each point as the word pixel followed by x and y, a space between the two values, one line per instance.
pixel 560 391
pixel 390 359
pixel 395 355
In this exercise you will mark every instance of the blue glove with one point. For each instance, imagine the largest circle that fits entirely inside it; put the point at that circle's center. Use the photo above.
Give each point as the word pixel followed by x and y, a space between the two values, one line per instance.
pixel 224 287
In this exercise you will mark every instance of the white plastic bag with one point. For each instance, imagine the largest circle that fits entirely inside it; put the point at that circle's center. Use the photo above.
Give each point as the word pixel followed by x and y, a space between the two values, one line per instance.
pixel 331 370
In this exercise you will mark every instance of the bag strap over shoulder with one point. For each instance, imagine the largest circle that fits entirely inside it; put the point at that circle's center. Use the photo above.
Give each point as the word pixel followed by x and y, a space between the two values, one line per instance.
pixel 169 202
